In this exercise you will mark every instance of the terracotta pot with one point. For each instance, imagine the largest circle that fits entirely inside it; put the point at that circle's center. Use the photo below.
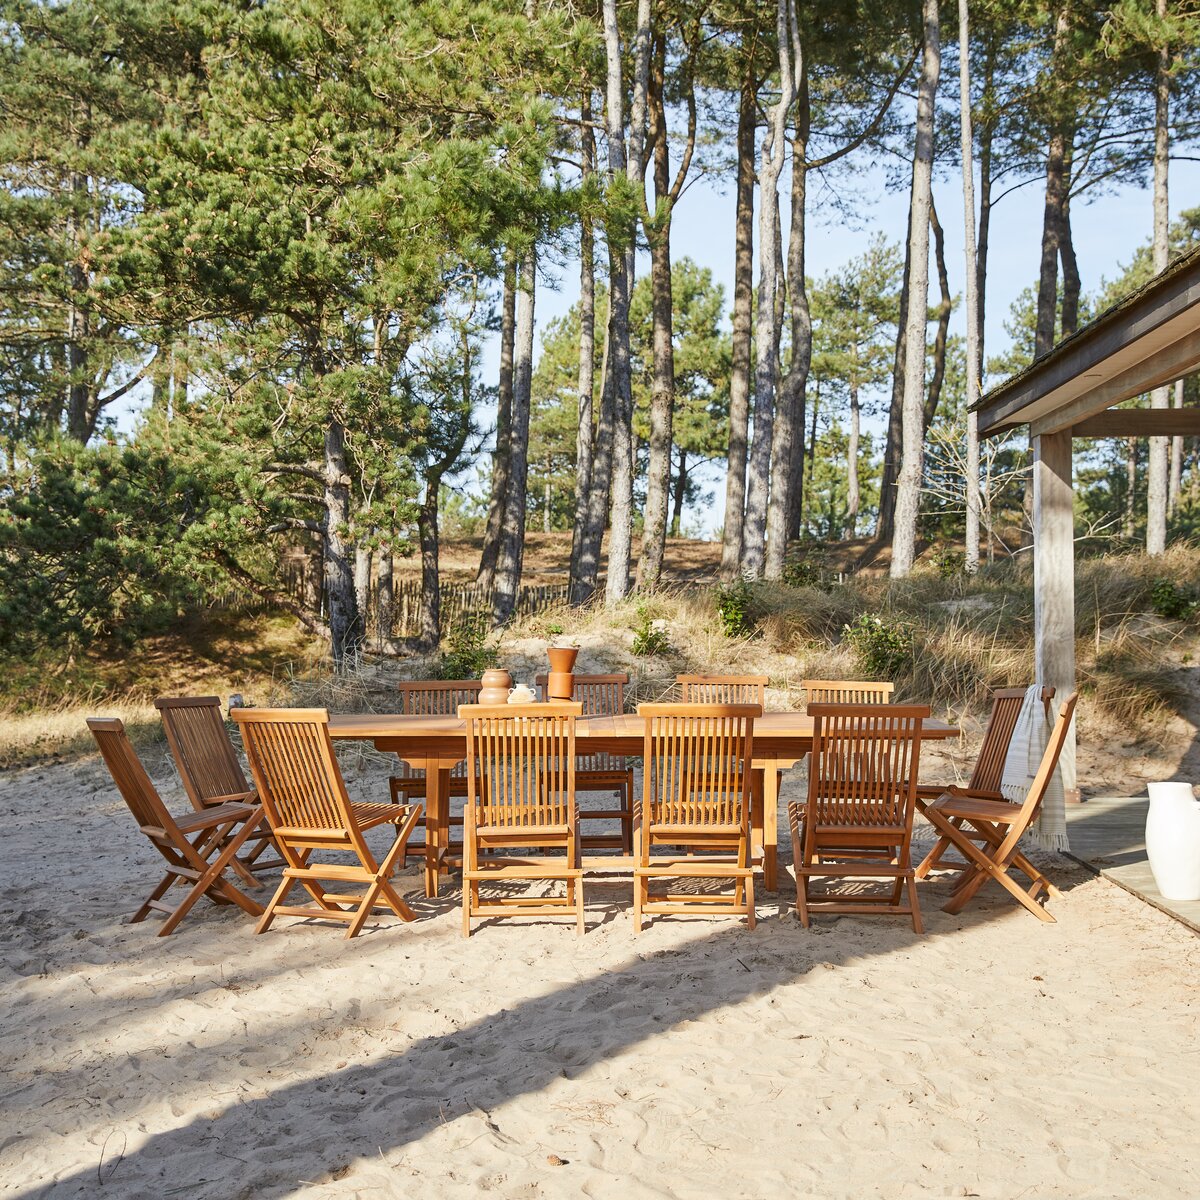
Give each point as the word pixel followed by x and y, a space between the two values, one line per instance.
pixel 562 658
pixel 560 684
pixel 496 684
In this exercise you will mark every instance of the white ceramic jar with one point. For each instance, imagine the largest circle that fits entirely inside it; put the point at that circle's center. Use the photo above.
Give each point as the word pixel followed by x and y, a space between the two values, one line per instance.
pixel 1173 840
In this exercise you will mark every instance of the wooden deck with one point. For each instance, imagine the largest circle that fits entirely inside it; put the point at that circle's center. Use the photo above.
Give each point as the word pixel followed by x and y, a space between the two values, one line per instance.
pixel 1108 834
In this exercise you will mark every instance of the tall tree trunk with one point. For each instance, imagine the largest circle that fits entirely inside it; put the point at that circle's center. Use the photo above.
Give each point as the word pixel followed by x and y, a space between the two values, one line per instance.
pixel 758 471
pixel 345 630
pixel 1131 464
pixel 362 582
pixel 1072 284
pixel 908 482
pixel 79 389
pixel 1052 216
pixel 385 596
pixel 620 541
pixel 787 468
pixel 431 596
pixel 662 395
pixel 1175 485
pixel 681 477
pixel 743 319
pixel 501 456
pixel 586 567
pixel 986 139
pixel 584 437
pixel 1157 465
pixel 512 529
pixel 971 274
pixel 812 450
pixel 885 524
pixel 547 492
pixel 945 306
pixel 852 464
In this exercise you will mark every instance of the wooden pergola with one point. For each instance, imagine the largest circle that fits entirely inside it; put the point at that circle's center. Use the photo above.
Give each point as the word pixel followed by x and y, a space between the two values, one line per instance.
pixel 1148 340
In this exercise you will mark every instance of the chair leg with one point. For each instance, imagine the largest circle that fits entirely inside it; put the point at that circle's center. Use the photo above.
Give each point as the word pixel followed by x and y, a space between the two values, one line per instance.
pixel 285 886
pixel 917 923
pixel 750 915
pixel 639 889
pixel 469 889
pixel 802 898
pixel 627 819
pixel 211 880
pixel 158 893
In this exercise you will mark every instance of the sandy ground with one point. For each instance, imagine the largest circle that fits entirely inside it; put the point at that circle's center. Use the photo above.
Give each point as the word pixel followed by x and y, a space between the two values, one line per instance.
pixel 993 1057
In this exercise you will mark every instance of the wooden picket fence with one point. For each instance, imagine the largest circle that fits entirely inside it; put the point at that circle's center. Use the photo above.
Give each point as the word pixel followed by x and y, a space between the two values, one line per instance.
pixel 460 599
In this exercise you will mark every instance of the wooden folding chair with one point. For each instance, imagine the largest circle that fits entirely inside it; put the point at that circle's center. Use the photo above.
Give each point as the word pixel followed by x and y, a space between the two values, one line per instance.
pixel 432 698
pixel 857 822
pixel 1000 826
pixel 989 767
pixel 209 769
pixel 696 802
pixel 723 689
pixel 846 691
pixel 603 696
pixel 198 847
pixel 521 781
pixel 304 796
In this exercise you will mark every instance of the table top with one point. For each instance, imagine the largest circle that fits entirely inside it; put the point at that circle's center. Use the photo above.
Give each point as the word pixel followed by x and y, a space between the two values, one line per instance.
pixel 369 726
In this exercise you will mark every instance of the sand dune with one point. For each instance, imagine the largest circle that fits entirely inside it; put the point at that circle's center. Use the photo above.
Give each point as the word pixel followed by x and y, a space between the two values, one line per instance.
pixel 994 1057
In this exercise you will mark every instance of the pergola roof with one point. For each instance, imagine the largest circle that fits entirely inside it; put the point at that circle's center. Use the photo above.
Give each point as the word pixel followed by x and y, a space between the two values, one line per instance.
pixel 1148 339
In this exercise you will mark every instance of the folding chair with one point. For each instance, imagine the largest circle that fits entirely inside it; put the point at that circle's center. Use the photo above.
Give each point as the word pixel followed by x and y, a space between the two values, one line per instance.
pixel 603 696
pixel 209 769
pixel 304 796
pixel 846 691
pixel 1000 826
pixel 521 780
pixel 696 803
pixel 857 821
pixel 723 689
pixel 989 767
pixel 216 834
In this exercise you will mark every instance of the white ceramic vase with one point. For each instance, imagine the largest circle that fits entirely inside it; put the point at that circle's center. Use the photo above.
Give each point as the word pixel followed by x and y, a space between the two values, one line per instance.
pixel 1173 840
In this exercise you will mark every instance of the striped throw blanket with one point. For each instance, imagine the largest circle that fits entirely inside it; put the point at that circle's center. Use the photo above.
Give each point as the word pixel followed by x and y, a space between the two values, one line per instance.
pixel 1030 737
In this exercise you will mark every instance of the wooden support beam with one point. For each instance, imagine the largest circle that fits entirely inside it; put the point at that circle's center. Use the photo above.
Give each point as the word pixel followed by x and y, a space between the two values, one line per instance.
pixel 1140 422
pixel 1054 577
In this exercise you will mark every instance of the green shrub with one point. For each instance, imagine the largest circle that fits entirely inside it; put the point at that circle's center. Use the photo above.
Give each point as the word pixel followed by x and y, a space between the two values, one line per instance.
pixel 734 604
pixel 1172 602
pixel 465 653
pixel 948 562
pixel 882 649
pixel 806 567
pixel 649 637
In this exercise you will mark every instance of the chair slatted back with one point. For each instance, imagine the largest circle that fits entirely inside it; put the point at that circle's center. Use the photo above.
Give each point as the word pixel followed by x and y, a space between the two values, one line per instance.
pixel 697 764
pixel 1046 768
pixel 601 696
pixel 437 697
pixel 132 781
pixel 208 764
pixel 847 691
pixel 294 766
pixel 864 764
pixel 723 689
pixel 521 763
pixel 1006 708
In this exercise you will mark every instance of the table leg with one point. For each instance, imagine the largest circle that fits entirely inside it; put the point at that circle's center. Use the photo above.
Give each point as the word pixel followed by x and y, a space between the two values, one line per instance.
pixel 437 820
pixel 756 810
pixel 770 834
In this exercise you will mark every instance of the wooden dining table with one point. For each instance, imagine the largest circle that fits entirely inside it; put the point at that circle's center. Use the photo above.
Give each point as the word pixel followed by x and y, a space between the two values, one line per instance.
pixel 435 744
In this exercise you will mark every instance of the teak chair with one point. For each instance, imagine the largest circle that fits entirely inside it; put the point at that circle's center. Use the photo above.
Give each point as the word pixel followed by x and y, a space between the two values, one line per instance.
pixel 304 796
pixel 209 769
pixel 723 689
pixel 846 691
pixel 602 696
pixel 198 847
pixel 432 698
pixel 1000 826
pixel 857 821
pixel 521 780
pixel 989 767
pixel 695 801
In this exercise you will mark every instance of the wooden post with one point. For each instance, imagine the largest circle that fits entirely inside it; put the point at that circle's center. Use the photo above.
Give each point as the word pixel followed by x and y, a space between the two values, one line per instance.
pixel 1054 579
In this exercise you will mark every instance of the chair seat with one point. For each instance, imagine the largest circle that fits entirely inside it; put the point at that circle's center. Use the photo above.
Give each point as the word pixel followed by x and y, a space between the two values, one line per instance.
pixel 208 817
pixel 999 811
pixel 369 815
pixel 521 831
